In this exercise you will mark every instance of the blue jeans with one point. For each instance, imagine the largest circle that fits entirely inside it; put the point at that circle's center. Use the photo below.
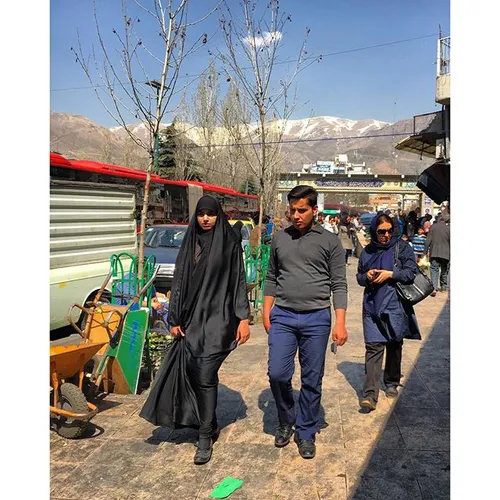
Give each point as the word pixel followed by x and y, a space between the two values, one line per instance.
pixel 438 265
pixel 308 332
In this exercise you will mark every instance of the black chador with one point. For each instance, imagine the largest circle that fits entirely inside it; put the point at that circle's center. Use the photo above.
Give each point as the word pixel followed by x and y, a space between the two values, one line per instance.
pixel 208 301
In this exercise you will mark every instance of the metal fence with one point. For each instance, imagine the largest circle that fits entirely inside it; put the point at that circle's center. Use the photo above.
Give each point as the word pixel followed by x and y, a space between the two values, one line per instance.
pixel 443 59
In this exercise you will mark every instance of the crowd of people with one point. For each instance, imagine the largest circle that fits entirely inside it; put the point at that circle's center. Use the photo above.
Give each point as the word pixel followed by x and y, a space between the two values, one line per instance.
pixel 305 303
pixel 430 240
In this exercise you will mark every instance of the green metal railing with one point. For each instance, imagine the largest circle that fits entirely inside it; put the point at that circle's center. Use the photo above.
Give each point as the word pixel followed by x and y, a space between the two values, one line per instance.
pixel 126 285
pixel 256 265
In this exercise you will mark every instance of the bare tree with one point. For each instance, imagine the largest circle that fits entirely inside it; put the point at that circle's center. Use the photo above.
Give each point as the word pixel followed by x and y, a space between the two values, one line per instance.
pixel 106 156
pixel 186 166
pixel 126 88
pixel 205 118
pixel 251 57
pixel 235 113
pixel 132 157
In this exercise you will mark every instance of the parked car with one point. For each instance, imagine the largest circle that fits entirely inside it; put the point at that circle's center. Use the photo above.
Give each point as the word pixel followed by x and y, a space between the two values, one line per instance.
pixel 164 242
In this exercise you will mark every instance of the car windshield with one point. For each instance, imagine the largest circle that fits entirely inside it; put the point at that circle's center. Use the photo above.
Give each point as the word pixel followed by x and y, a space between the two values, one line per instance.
pixel 167 237
pixel 246 229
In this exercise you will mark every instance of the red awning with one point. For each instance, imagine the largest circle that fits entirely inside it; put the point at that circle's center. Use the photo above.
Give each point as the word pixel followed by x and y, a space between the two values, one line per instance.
pixel 58 160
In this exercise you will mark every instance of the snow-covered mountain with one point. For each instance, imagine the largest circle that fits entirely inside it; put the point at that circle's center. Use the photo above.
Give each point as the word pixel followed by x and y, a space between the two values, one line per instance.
pixel 354 137
pixel 306 128
pixel 330 126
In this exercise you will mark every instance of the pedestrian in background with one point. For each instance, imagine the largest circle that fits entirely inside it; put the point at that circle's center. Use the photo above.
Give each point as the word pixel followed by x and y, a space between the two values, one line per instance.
pixel 401 220
pixel 386 319
pixel 306 267
pixel 427 223
pixel 411 224
pixel 335 222
pixel 437 248
pixel 327 224
pixel 346 230
pixel 418 244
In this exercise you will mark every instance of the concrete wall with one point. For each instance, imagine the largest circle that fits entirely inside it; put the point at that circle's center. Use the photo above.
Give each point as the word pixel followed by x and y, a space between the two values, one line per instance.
pixel 443 89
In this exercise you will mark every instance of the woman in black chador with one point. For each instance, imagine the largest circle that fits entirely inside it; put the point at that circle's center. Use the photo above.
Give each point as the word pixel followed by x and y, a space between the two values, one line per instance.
pixel 208 312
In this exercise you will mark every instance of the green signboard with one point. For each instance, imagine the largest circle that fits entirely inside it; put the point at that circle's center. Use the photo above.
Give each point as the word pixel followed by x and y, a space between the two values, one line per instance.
pixel 126 357
pixel 131 345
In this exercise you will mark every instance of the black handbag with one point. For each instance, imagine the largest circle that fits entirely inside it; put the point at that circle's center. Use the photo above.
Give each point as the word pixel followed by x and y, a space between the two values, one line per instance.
pixel 416 291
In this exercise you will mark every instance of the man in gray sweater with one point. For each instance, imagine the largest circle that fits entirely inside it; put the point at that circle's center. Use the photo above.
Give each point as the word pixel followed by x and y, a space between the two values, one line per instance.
pixel 437 248
pixel 306 266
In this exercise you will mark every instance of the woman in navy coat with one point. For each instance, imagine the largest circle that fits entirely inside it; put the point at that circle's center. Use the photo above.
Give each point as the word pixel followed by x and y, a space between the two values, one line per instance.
pixel 386 319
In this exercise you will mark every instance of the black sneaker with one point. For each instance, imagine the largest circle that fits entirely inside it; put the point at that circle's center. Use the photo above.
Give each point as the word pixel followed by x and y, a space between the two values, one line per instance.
pixel 283 435
pixel 307 448
pixel 391 391
pixel 368 403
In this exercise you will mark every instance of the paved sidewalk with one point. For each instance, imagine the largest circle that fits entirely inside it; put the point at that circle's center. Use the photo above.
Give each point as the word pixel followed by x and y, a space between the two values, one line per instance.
pixel 399 451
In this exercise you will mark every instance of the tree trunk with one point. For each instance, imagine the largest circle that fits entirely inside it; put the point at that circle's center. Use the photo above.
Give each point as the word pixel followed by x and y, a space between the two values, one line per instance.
pixel 262 170
pixel 144 216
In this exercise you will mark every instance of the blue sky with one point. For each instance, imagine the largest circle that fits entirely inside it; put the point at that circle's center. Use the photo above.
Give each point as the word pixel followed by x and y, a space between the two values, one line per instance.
pixel 386 83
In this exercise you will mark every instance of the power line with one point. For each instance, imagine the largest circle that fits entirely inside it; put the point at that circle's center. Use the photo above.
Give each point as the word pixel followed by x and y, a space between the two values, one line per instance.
pixel 292 141
pixel 319 56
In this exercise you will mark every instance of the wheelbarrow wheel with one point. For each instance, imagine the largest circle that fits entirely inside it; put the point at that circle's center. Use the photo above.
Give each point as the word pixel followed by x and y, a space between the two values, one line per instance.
pixel 73 400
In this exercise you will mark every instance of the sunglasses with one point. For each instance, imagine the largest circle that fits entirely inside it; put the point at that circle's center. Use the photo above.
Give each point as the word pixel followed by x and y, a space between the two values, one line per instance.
pixel 381 232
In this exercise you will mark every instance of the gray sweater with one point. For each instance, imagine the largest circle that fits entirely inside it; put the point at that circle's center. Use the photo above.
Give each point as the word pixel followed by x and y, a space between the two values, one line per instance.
pixel 305 269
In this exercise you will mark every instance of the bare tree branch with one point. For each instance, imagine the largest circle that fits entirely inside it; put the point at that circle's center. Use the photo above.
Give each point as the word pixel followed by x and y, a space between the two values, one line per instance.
pixel 252 50
pixel 118 71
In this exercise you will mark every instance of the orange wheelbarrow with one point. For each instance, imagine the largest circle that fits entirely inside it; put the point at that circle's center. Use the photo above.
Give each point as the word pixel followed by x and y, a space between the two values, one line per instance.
pixel 69 409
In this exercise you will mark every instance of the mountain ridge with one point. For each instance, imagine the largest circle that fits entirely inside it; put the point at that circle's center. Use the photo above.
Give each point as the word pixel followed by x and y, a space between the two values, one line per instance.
pixel 78 136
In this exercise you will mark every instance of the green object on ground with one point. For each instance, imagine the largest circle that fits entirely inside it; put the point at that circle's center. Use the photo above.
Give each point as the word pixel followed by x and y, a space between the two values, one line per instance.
pixel 227 486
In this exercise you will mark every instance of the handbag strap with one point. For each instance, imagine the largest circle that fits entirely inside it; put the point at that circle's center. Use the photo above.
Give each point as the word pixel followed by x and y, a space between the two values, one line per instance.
pixel 396 255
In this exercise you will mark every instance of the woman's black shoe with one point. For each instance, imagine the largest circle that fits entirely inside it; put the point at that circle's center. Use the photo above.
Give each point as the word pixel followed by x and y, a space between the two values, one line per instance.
pixel 391 391
pixel 283 435
pixel 203 451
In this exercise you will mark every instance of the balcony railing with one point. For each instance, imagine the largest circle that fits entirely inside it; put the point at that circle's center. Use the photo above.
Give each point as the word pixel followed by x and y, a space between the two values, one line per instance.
pixel 443 56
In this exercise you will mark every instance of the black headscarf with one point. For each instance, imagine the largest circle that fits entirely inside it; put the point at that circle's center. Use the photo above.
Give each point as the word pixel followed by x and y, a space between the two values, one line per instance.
pixel 204 238
pixel 344 221
pixel 374 243
pixel 208 296
pixel 237 230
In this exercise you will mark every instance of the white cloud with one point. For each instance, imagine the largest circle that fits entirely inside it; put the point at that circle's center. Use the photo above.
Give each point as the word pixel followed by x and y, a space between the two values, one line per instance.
pixel 266 38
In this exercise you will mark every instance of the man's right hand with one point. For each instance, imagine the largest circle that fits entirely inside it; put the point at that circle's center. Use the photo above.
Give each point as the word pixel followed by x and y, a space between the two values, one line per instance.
pixel 267 322
pixel 266 311
pixel 176 331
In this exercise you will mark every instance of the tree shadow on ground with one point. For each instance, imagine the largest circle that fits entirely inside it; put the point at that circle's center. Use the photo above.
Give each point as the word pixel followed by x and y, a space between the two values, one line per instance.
pixel 230 408
pixel 411 457
pixel 270 420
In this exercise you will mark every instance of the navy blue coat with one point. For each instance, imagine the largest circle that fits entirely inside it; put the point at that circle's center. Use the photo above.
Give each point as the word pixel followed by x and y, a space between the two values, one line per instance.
pixel 398 318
